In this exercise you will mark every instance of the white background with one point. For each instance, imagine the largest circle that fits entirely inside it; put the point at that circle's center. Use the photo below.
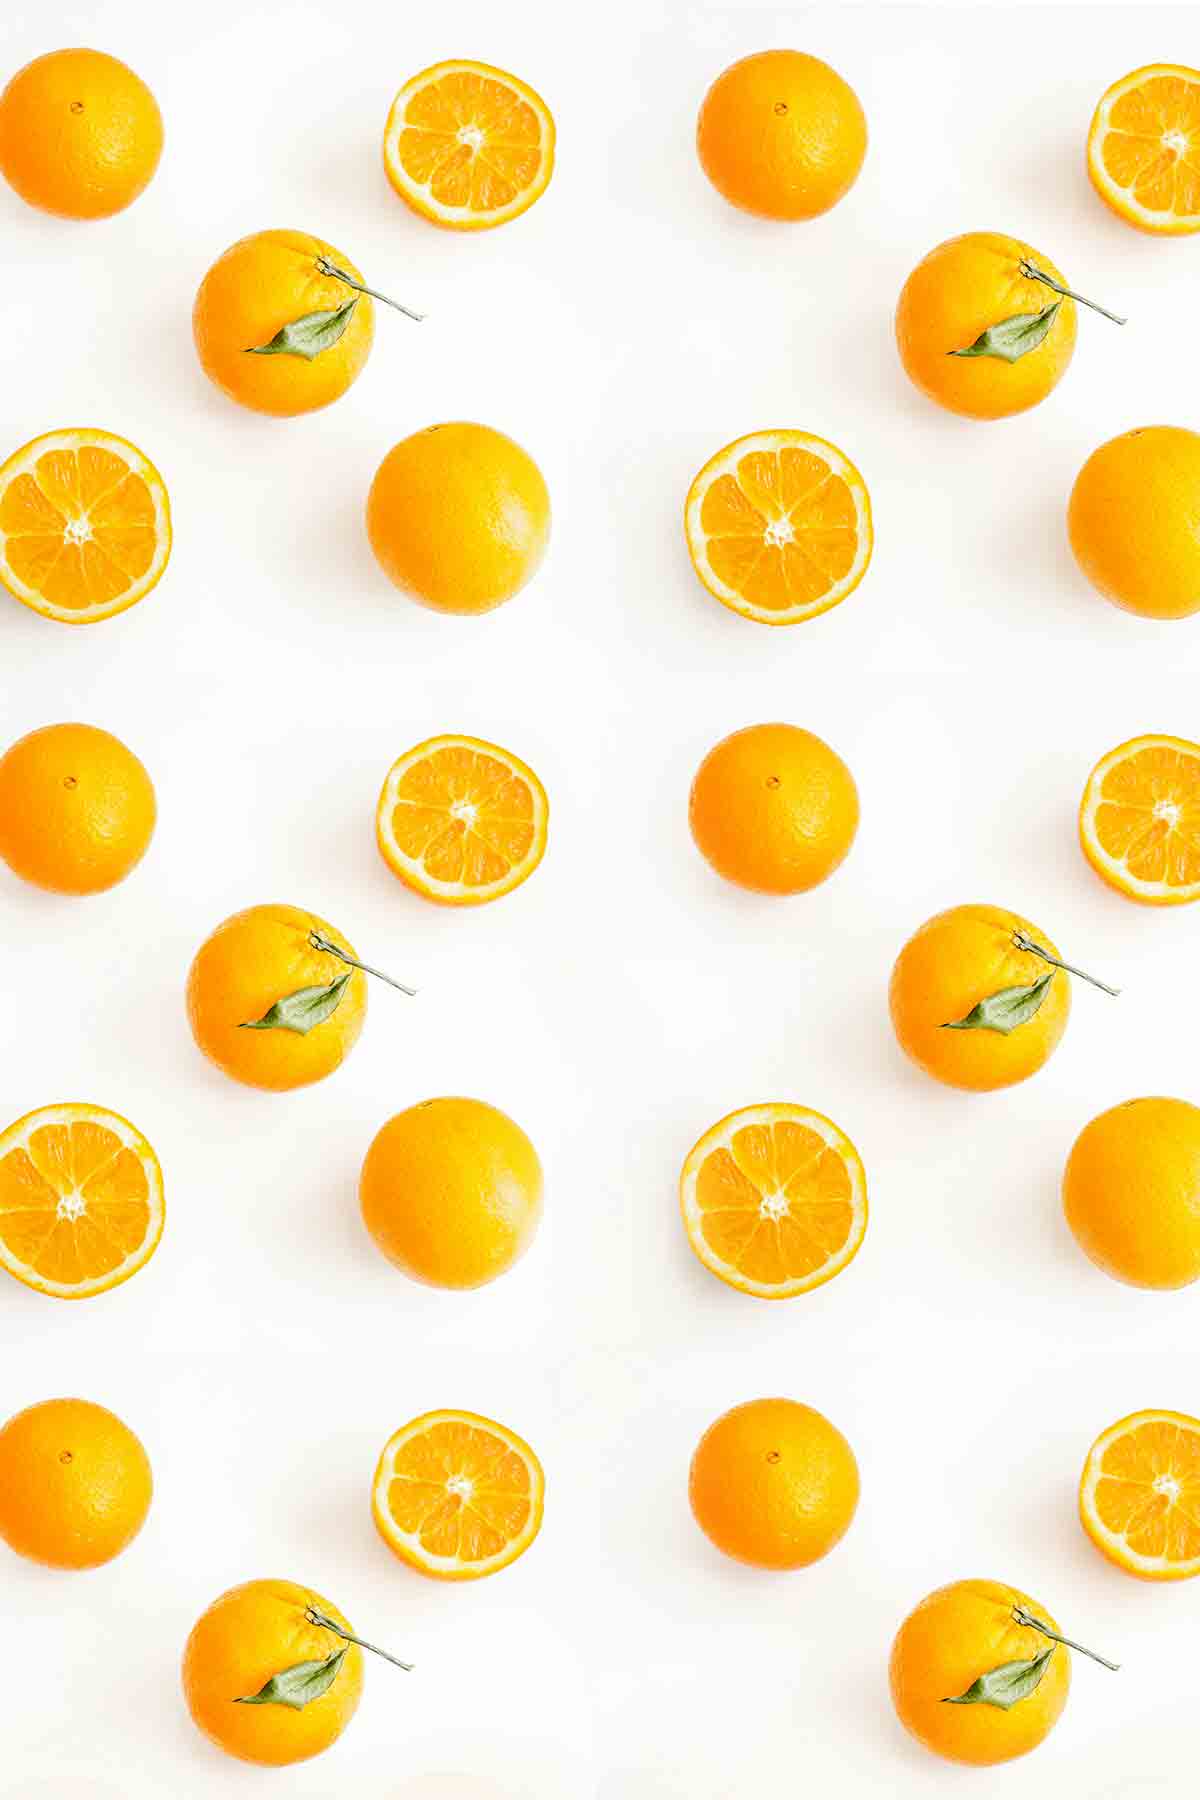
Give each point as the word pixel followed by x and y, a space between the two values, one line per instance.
pixel 624 999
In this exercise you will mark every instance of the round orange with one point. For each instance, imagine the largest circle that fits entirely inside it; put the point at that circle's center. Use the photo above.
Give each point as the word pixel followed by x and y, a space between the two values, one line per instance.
pixel 773 1484
pixel 461 821
pixel 1139 820
pixel 75 1484
pixel 1143 149
pixel 468 146
pixel 1132 519
pixel 80 134
pixel 1139 1495
pixel 456 1496
pixel 782 135
pixel 1131 1192
pixel 77 809
pixel 773 809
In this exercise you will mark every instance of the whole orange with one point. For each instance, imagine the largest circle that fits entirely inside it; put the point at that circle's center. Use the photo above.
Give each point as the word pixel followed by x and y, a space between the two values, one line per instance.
pixel 773 1484
pixel 1131 1192
pixel 75 1484
pixel 774 809
pixel 1134 521
pixel 80 134
pixel 451 1191
pixel 782 135
pixel 77 809
pixel 459 517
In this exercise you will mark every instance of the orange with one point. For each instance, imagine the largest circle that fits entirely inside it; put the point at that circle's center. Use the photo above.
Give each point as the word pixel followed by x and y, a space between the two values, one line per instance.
pixel 77 809
pixel 85 525
pixel 458 517
pixel 81 1200
pixel 1139 1495
pixel 1131 1192
pixel 461 821
pixel 457 1496
pixel 773 1484
pixel 778 526
pixel 1143 149
pixel 468 146
pixel 80 134
pixel 773 809
pixel 782 135
pixel 1132 521
pixel 451 1191
pixel 1139 820
pixel 75 1484
pixel 774 1200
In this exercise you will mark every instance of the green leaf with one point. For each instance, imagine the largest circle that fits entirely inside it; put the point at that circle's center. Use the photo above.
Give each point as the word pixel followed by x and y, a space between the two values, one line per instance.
pixel 307 337
pixel 296 1686
pixel 302 1010
pixel 1005 1010
pixel 1004 1686
pixel 1013 338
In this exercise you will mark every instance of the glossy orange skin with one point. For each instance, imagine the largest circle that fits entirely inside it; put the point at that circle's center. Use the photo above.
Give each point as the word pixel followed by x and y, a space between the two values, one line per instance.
pixel 77 809
pixel 1134 518
pixel 80 134
pixel 1131 1192
pixel 75 1484
pixel 774 809
pixel 249 1634
pixel 773 1484
pixel 781 135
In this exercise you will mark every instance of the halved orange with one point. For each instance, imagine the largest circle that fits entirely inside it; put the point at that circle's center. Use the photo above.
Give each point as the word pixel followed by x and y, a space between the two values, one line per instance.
pixel 85 525
pixel 81 1200
pixel 774 1200
pixel 468 146
pixel 461 820
pixel 1139 1496
pixel 1139 820
pixel 1143 149
pixel 457 1496
pixel 778 526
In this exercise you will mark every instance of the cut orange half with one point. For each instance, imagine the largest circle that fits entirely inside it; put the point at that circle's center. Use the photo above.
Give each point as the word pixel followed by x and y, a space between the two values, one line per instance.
pixel 468 146
pixel 457 1496
pixel 1139 1497
pixel 461 821
pixel 81 1200
pixel 1139 820
pixel 85 527
pixel 778 526
pixel 1143 149
pixel 774 1200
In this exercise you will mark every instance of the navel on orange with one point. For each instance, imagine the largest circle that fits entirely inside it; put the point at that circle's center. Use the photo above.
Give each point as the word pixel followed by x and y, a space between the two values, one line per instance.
pixel 1139 820
pixel 1139 1495
pixel 461 821
pixel 468 146
pixel 457 1496
pixel 1143 149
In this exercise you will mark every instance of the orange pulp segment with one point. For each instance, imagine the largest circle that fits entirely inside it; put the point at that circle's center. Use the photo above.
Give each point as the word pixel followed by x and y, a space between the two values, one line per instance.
pixel 1139 820
pixel 457 1496
pixel 1143 149
pixel 468 146
pixel 1139 1498
pixel 461 821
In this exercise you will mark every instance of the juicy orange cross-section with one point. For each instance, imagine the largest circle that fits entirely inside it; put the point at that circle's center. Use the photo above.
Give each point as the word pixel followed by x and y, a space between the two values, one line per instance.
pixel 1144 148
pixel 81 1200
pixel 1139 820
pixel 774 1200
pixel 468 146
pixel 1139 1498
pixel 457 1496
pixel 85 527
pixel 778 526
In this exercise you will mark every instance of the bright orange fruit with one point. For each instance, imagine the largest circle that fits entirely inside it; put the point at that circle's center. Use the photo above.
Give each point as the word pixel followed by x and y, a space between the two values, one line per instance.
pixel 461 821
pixel 780 134
pixel 1139 1495
pixel 75 1484
pixel 77 809
pixel 80 134
pixel 1143 149
pixel 1139 820
pixel 468 146
pixel 457 1496
pixel 774 1484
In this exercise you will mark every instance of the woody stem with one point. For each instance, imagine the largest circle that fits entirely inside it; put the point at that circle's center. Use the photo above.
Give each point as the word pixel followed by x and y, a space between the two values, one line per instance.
pixel 320 942
pixel 328 268
pixel 1026 1618
pixel 1032 273
pixel 1026 943
pixel 318 1618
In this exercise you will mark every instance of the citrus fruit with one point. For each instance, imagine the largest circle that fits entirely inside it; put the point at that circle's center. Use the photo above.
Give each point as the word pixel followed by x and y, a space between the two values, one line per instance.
pixel 773 809
pixel 1139 1495
pixel 75 1484
pixel 451 1192
pixel 774 1200
pixel 81 1200
pixel 1143 149
pixel 468 146
pixel 77 809
pixel 458 517
pixel 461 821
pixel 778 526
pixel 457 1496
pixel 80 134
pixel 1132 518
pixel 1131 1192
pixel 85 525
pixel 782 135
pixel 1139 820
pixel 773 1484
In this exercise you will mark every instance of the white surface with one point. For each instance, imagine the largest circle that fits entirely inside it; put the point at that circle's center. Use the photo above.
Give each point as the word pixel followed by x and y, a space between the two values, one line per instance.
pixel 624 999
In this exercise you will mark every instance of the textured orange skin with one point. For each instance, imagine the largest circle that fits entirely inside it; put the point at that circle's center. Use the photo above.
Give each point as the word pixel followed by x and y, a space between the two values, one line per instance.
pixel 1134 521
pixel 955 1635
pixel 249 1634
pixel 1131 1192
pixel 773 809
pixel 773 1484
pixel 451 1192
pixel 77 809
pixel 260 284
pixel 952 296
pixel 780 134
pixel 75 1484
pixel 956 959
pixel 254 959
pixel 80 134
pixel 459 517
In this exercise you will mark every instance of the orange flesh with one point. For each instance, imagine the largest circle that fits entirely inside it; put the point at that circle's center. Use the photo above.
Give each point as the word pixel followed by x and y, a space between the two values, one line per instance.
pixel 74 1204
pixel 783 531
pixel 80 529
pixel 466 817
pixel 1149 815
pixel 472 141
pixel 461 1491
pixel 1149 1490
pixel 1162 176
pixel 776 1205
